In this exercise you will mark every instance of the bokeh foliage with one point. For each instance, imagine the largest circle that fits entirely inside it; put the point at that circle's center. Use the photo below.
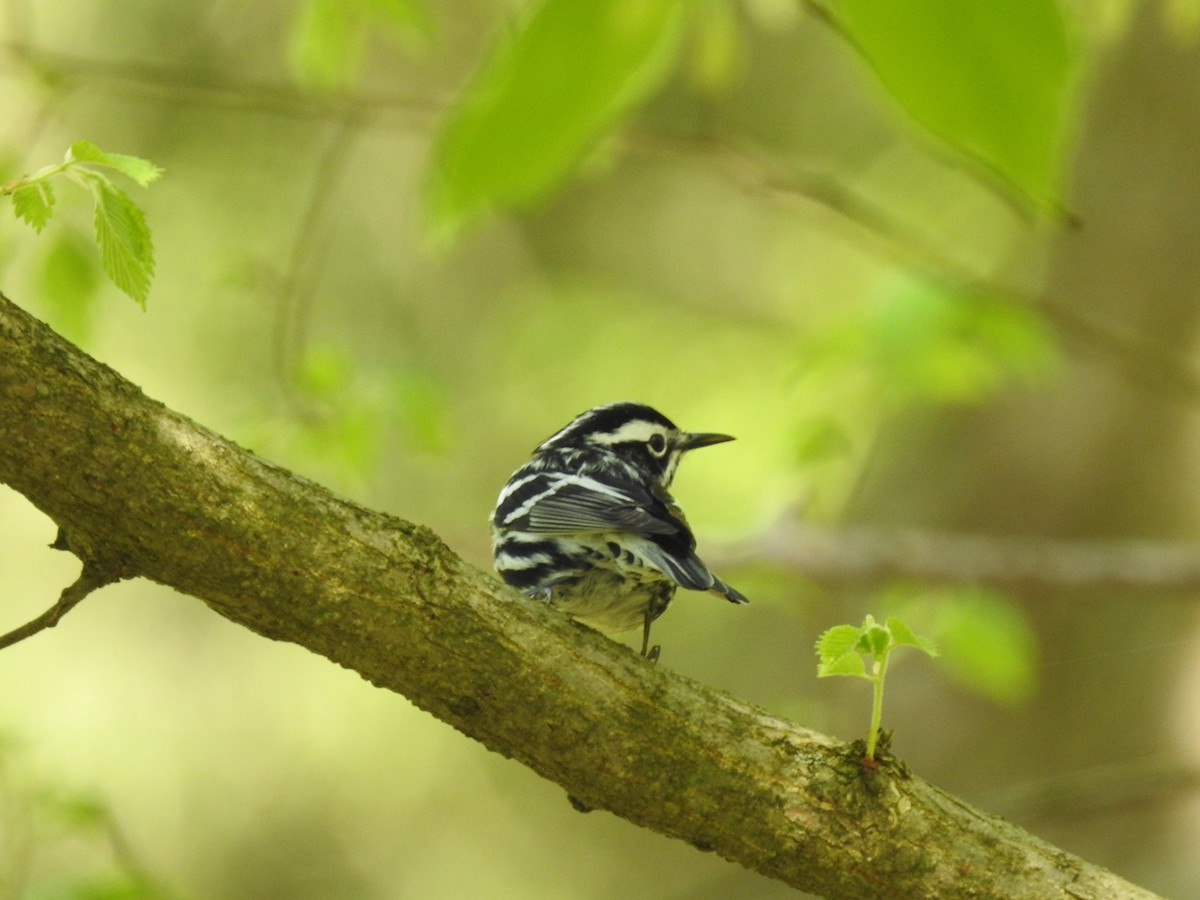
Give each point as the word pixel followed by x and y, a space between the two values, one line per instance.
pixel 399 243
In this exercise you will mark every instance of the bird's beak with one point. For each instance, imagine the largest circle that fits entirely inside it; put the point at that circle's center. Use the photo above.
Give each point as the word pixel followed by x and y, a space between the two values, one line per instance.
pixel 692 441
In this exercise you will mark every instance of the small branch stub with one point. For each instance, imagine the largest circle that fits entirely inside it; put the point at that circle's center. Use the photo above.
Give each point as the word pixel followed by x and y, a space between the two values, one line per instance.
pixel 92 577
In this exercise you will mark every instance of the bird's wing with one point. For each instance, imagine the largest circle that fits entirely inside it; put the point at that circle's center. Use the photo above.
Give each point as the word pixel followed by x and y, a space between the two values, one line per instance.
pixel 560 503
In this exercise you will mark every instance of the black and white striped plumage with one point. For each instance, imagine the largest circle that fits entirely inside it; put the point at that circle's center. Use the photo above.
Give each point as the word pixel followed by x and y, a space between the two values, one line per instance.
pixel 588 523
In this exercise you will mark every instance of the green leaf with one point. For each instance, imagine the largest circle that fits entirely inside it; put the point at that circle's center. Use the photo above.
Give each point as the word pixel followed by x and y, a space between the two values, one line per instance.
pixel 875 639
pixel 837 641
pixel 544 99
pixel 126 251
pixel 33 203
pixel 902 634
pixel 994 80
pixel 140 170
pixel 850 664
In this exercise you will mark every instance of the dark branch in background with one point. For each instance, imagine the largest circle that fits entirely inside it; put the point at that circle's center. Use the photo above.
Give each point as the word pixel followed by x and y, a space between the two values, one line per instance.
pixel 863 555
pixel 133 481
pixel 170 82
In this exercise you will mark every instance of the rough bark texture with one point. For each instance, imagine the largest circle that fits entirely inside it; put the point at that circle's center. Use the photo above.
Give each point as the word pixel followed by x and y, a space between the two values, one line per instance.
pixel 141 491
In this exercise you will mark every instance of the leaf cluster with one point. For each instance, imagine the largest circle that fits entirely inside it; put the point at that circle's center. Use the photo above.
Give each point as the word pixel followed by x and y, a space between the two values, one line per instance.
pixel 126 248
pixel 844 649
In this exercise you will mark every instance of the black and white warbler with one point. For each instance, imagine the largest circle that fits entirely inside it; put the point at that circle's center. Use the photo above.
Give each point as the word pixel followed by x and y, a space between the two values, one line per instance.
pixel 588 525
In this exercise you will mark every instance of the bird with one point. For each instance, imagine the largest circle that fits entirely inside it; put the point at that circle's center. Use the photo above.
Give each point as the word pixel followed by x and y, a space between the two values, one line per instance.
pixel 589 526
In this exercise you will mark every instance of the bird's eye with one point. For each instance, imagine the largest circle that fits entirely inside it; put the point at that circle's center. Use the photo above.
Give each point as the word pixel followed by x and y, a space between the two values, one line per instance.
pixel 658 444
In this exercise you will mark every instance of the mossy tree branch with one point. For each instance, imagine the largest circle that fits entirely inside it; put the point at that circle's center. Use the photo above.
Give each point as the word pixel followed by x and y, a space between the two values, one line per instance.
pixel 142 491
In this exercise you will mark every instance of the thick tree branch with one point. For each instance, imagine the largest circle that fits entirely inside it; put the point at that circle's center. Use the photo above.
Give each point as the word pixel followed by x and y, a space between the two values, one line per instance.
pixel 174 502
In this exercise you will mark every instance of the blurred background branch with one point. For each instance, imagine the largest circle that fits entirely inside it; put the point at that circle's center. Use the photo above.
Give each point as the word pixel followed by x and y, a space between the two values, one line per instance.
pixel 863 555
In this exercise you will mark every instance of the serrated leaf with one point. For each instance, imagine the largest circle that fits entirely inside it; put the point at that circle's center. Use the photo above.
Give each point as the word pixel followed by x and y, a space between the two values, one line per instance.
pixel 850 664
pixel 994 80
pixel 902 634
pixel 84 151
pixel 837 641
pixel 140 170
pixel 126 250
pixel 33 203
pixel 543 100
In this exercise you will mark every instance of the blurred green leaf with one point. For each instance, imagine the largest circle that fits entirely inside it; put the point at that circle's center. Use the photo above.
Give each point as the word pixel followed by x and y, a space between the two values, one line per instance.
pixel 118 886
pixel 544 98
pixel 324 373
pixel 928 344
pixel 987 644
pixel 33 203
pixel 126 251
pixel 423 412
pixel 67 280
pixel 326 44
pixel 991 79
pixel 78 810
pixel 821 438
pixel 715 50
pixel 328 37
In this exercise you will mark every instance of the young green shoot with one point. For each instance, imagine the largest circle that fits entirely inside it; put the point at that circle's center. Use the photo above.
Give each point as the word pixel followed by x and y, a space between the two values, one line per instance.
pixel 126 251
pixel 844 649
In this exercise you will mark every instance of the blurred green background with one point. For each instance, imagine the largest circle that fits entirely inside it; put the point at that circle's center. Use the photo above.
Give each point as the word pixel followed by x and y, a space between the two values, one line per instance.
pixel 922 298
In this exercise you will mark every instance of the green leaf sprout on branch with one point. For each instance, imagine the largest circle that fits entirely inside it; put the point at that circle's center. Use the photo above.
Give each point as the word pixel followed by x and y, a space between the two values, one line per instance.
pixel 843 650
pixel 126 251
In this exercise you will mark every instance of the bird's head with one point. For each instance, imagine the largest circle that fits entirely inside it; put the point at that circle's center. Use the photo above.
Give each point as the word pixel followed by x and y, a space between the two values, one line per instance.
pixel 636 433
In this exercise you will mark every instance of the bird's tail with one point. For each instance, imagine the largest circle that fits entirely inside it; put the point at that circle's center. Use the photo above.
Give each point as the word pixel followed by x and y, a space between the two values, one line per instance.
pixel 731 594
pixel 691 573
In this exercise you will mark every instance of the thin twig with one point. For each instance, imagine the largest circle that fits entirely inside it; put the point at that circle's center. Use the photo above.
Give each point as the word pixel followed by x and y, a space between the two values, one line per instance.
pixel 90 579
